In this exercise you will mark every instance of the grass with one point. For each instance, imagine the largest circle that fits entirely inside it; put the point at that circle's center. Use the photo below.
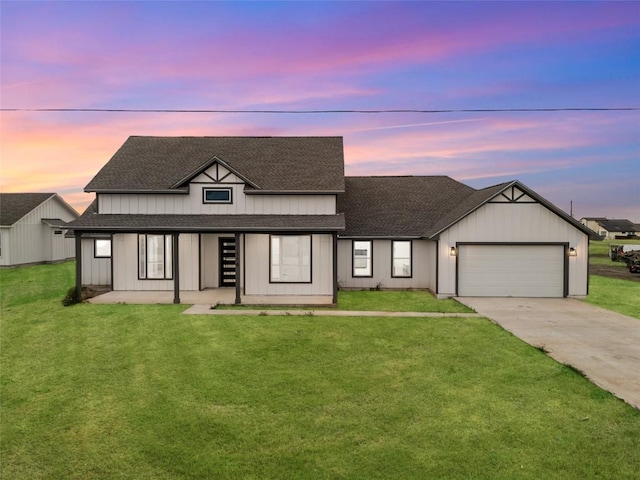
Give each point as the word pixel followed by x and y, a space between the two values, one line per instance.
pixel 381 301
pixel 622 296
pixel 126 391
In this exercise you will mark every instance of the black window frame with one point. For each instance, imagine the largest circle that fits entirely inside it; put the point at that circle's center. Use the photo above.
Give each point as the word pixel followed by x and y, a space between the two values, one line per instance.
pixel 393 242
pixel 310 237
pixel 95 247
pixel 217 189
pixel 146 256
pixel 353 259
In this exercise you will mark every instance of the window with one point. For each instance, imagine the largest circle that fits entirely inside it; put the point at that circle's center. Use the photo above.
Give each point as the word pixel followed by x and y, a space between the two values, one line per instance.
pixel 362 258
pixel 401 258
pixel 102 248
pixel 290 259
pixel 57 232
pixel 217 195
pixel 155 260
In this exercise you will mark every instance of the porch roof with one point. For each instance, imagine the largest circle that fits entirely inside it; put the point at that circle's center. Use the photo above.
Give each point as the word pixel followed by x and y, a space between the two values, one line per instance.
pixel 207 223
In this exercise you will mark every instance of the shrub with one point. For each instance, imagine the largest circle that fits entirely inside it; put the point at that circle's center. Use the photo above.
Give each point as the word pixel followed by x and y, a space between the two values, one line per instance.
pixel 71 298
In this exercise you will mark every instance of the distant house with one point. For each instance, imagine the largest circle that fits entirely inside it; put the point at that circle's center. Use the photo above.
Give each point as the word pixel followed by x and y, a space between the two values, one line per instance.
pixel 275 216
pixel 610 228
pixel 33 227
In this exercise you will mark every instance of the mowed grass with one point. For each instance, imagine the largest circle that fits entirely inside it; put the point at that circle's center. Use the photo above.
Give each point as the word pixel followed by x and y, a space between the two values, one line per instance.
pixel 622 296
pixel 125 391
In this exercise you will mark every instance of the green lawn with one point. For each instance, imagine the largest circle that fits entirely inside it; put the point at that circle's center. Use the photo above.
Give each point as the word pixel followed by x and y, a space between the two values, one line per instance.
pixel 621 296
pixel 126 391
pixel 381 301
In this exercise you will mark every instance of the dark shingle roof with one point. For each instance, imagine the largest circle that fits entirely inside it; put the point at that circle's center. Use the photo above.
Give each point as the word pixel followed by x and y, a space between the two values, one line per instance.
pixel 418 206
pixel 616 225
pixel 14 206
pixel 398 206
pixel 272 163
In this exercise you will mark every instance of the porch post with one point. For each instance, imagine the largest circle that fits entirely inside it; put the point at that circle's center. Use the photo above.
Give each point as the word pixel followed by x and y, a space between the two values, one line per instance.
pixel 238 280
pixel 78 265
pixel 335 268
pixel 176 267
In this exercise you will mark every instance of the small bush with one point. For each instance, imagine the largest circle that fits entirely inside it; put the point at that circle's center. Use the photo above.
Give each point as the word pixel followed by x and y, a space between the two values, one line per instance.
pixel 71 298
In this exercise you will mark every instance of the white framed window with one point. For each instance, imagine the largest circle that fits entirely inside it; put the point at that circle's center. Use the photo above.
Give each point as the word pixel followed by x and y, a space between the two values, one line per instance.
pixel 401 258
pixel 102 248
pixel 217 195
pixel 362 258
pixel 155 259
pixel 290 259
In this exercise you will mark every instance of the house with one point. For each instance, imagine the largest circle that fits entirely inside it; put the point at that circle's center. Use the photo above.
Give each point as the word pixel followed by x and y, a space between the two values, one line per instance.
pixel 33 227
pixel 610 228
pixel 276 216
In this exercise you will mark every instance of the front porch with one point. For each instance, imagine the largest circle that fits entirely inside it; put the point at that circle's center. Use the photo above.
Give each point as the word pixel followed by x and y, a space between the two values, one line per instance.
pixel 210 296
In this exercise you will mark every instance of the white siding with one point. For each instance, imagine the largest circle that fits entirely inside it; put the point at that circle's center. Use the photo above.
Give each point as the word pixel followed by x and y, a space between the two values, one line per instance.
pixel 513 222
pixel 31 241
pixel 192 203
pixel 256 266
pixel 125 264
pixel 423 266
pixel 242 204
pixel 95 271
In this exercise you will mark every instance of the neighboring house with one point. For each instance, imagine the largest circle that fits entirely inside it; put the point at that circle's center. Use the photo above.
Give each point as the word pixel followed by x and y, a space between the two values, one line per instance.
pixel 33 227
pixel 276 216
pixel 610 228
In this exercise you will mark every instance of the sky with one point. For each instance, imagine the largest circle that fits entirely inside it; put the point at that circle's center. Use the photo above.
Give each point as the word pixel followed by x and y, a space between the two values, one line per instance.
pixel 334 55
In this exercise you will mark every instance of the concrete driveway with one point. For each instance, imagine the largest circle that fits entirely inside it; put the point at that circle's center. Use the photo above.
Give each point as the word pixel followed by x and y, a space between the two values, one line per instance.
pixel 603 344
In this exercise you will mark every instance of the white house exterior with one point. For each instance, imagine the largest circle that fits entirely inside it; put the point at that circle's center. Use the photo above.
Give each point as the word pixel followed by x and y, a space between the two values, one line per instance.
pixel 611 228
pixel 276 216
pixel 33 227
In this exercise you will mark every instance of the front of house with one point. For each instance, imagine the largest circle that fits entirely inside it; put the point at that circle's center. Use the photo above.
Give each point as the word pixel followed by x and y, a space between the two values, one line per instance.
pixel 275 216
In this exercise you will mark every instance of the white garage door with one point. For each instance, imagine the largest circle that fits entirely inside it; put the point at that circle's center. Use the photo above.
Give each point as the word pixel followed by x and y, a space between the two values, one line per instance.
pixel 511 271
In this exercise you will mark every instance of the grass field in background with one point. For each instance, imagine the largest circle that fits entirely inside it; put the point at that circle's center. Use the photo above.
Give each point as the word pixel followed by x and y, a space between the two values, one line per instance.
pixel 132 391
pixel 622 296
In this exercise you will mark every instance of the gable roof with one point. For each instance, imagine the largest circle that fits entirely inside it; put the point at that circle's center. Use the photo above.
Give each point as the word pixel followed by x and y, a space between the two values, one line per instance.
pixel 402 206
pixel 420 206
pixel 273 164
pixel 14 206
pixel 616 224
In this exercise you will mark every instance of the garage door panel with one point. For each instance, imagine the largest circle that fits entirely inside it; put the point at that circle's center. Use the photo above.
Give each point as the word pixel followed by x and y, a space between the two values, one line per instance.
pixel 511 270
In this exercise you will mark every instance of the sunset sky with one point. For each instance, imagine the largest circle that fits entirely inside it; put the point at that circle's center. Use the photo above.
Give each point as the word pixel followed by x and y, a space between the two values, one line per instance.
pixel 334 56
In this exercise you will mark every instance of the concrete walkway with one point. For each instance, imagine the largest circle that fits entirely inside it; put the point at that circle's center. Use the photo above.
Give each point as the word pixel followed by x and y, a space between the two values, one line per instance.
pixel 207 310
pixel 603 344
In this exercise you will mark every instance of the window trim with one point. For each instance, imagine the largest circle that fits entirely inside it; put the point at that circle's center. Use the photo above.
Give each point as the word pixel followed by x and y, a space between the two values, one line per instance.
pixel 353 259
pixel 310 237
pixel 95 247
pixel 167 240
pixel 217 189
pixel 393 258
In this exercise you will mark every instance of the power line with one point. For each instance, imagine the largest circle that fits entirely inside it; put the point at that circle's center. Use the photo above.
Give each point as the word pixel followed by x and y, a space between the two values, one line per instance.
pixel 305 112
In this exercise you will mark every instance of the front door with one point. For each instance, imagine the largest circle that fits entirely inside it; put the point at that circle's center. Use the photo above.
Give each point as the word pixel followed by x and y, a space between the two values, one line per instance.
pixel 227 252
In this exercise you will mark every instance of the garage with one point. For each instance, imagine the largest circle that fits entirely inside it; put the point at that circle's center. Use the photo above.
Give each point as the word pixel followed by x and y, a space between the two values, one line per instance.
pixel 511 270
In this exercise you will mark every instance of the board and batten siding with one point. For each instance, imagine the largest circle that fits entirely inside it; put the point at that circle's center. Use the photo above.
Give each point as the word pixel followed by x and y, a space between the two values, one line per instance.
pixel 423 266
pixel 513 222
pixel 124 249
pixel 191 203
pixel 256 268
pixel 95 271
pixel 31 241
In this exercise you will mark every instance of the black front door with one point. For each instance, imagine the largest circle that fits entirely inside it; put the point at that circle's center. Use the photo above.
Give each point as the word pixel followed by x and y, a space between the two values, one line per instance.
pixel 227 253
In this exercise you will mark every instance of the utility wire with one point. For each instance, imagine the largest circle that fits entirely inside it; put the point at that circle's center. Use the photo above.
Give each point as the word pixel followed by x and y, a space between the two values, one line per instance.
pixel 464 110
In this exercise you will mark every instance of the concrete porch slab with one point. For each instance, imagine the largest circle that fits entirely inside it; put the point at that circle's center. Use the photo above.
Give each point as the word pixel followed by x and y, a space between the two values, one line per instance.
pixel 212 296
